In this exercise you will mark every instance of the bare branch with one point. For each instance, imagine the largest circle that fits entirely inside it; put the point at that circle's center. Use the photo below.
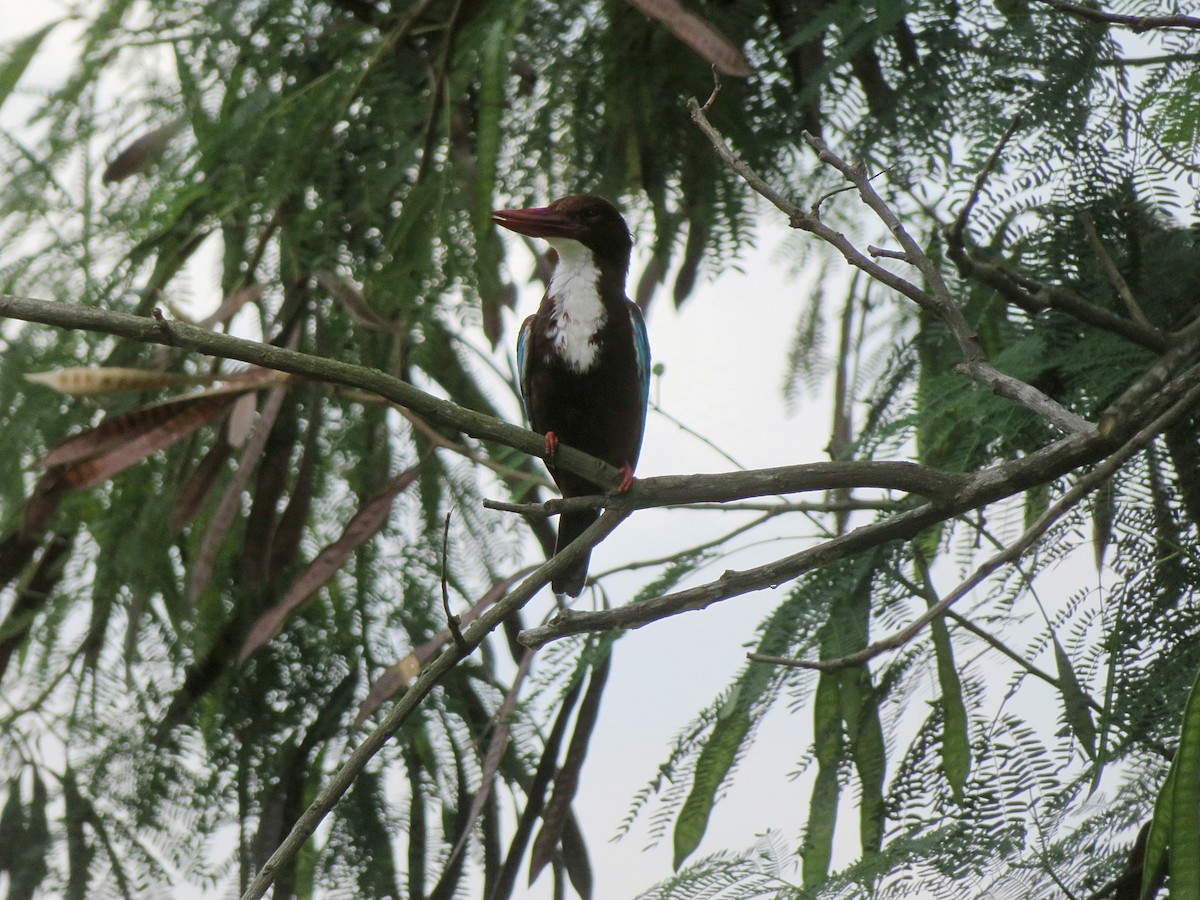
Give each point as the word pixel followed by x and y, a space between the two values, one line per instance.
pixel 440 440
pixel 1142 402
pixel 1137 24
pixel 1026 395
pixel 722 487
pixel 937 300
pixel 752 178
pixel 884 253
pixel 1163 59
pixel 159 330
pixel 1033 296
pixel 598 501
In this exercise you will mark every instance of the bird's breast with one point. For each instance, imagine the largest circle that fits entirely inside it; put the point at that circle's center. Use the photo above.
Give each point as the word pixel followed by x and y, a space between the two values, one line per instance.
pixel 576 313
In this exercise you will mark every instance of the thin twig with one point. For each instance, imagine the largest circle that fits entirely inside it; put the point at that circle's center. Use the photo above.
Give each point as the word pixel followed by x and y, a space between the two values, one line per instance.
pixel 451 619
pixel 341 780
pixel 1136 24
pixel 466 452
pixel 836 504
pixel 884 253
pixel 1163 59
pixel 937 299
pixel 699 548
pixel 658 410
pixel 716 91
pixel 1017 548
pixel 1112 272
pixel 815 209
pixel 955 231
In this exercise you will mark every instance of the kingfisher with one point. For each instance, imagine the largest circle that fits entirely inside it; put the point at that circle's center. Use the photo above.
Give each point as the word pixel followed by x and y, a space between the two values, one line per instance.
pixel 583 357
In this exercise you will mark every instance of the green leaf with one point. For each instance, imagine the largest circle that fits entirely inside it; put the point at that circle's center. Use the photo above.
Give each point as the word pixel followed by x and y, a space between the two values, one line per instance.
pixel 822 810
pixel 418 831
pixel 1102 521
pixel 735 719
pixel 493 66
pixel 1037 501
pixel 79 854
pixel 19 59
pixel 1075 702
pixel 714 763
pixel 864 730
pixel 12 826
pixel 558 809
pixel 1159 839
pixel 1185 806
pixel 956 738
pixel 1177 118
pixel 30 866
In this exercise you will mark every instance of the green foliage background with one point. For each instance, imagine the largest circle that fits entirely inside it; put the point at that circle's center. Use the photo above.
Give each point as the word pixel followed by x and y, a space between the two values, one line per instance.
pixel 372 140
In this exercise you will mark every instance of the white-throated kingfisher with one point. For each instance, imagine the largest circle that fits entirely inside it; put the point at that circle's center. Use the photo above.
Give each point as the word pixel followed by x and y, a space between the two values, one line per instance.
pixel 583 357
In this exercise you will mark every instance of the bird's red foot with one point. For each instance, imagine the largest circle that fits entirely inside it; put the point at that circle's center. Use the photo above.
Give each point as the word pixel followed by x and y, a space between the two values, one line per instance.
pixel 551 444
pixel 626 482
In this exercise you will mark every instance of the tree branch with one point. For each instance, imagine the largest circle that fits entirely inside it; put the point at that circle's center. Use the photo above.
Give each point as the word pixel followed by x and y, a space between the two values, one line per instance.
pixel 1027 293
pixel 1017 548
pixel 1112 272
pixel 158 330
pixel 1120 424
pixel 1136 24
pixel 602 501
pixel 723 487
pixel 937 300
pixel 472 637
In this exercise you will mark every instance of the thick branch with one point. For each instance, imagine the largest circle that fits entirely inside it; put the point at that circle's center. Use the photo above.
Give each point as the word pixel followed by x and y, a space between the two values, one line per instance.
pixel 603 501
pixel 1028 538
pixel 1121 421
pixel 724 487
pixel 1033 296
pixel 190 337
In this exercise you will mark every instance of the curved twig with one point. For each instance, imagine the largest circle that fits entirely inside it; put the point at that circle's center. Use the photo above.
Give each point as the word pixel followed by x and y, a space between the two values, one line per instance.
pixel 937 299
pixel 472 637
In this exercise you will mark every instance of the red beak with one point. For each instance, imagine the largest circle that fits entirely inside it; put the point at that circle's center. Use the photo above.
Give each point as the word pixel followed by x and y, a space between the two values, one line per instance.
pixel 542 222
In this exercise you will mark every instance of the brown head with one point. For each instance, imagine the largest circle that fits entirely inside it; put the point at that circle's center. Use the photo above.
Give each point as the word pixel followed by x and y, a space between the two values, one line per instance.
pixel 586 218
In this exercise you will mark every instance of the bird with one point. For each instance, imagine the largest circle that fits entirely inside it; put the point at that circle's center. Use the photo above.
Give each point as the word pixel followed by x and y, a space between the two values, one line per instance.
pixel 583 358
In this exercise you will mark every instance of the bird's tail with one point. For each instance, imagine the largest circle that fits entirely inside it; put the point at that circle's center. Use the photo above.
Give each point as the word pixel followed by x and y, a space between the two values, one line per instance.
pixel 570 526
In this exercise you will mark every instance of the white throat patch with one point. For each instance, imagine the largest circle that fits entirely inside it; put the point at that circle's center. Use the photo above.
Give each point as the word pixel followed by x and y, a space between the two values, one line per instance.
pixel 578 313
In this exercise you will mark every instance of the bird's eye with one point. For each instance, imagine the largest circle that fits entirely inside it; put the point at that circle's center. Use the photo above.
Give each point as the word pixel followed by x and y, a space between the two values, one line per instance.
pixel 591 213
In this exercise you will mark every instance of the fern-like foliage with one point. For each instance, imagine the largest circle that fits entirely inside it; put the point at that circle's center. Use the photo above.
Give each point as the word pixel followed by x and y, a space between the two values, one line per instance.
pixel 336 162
